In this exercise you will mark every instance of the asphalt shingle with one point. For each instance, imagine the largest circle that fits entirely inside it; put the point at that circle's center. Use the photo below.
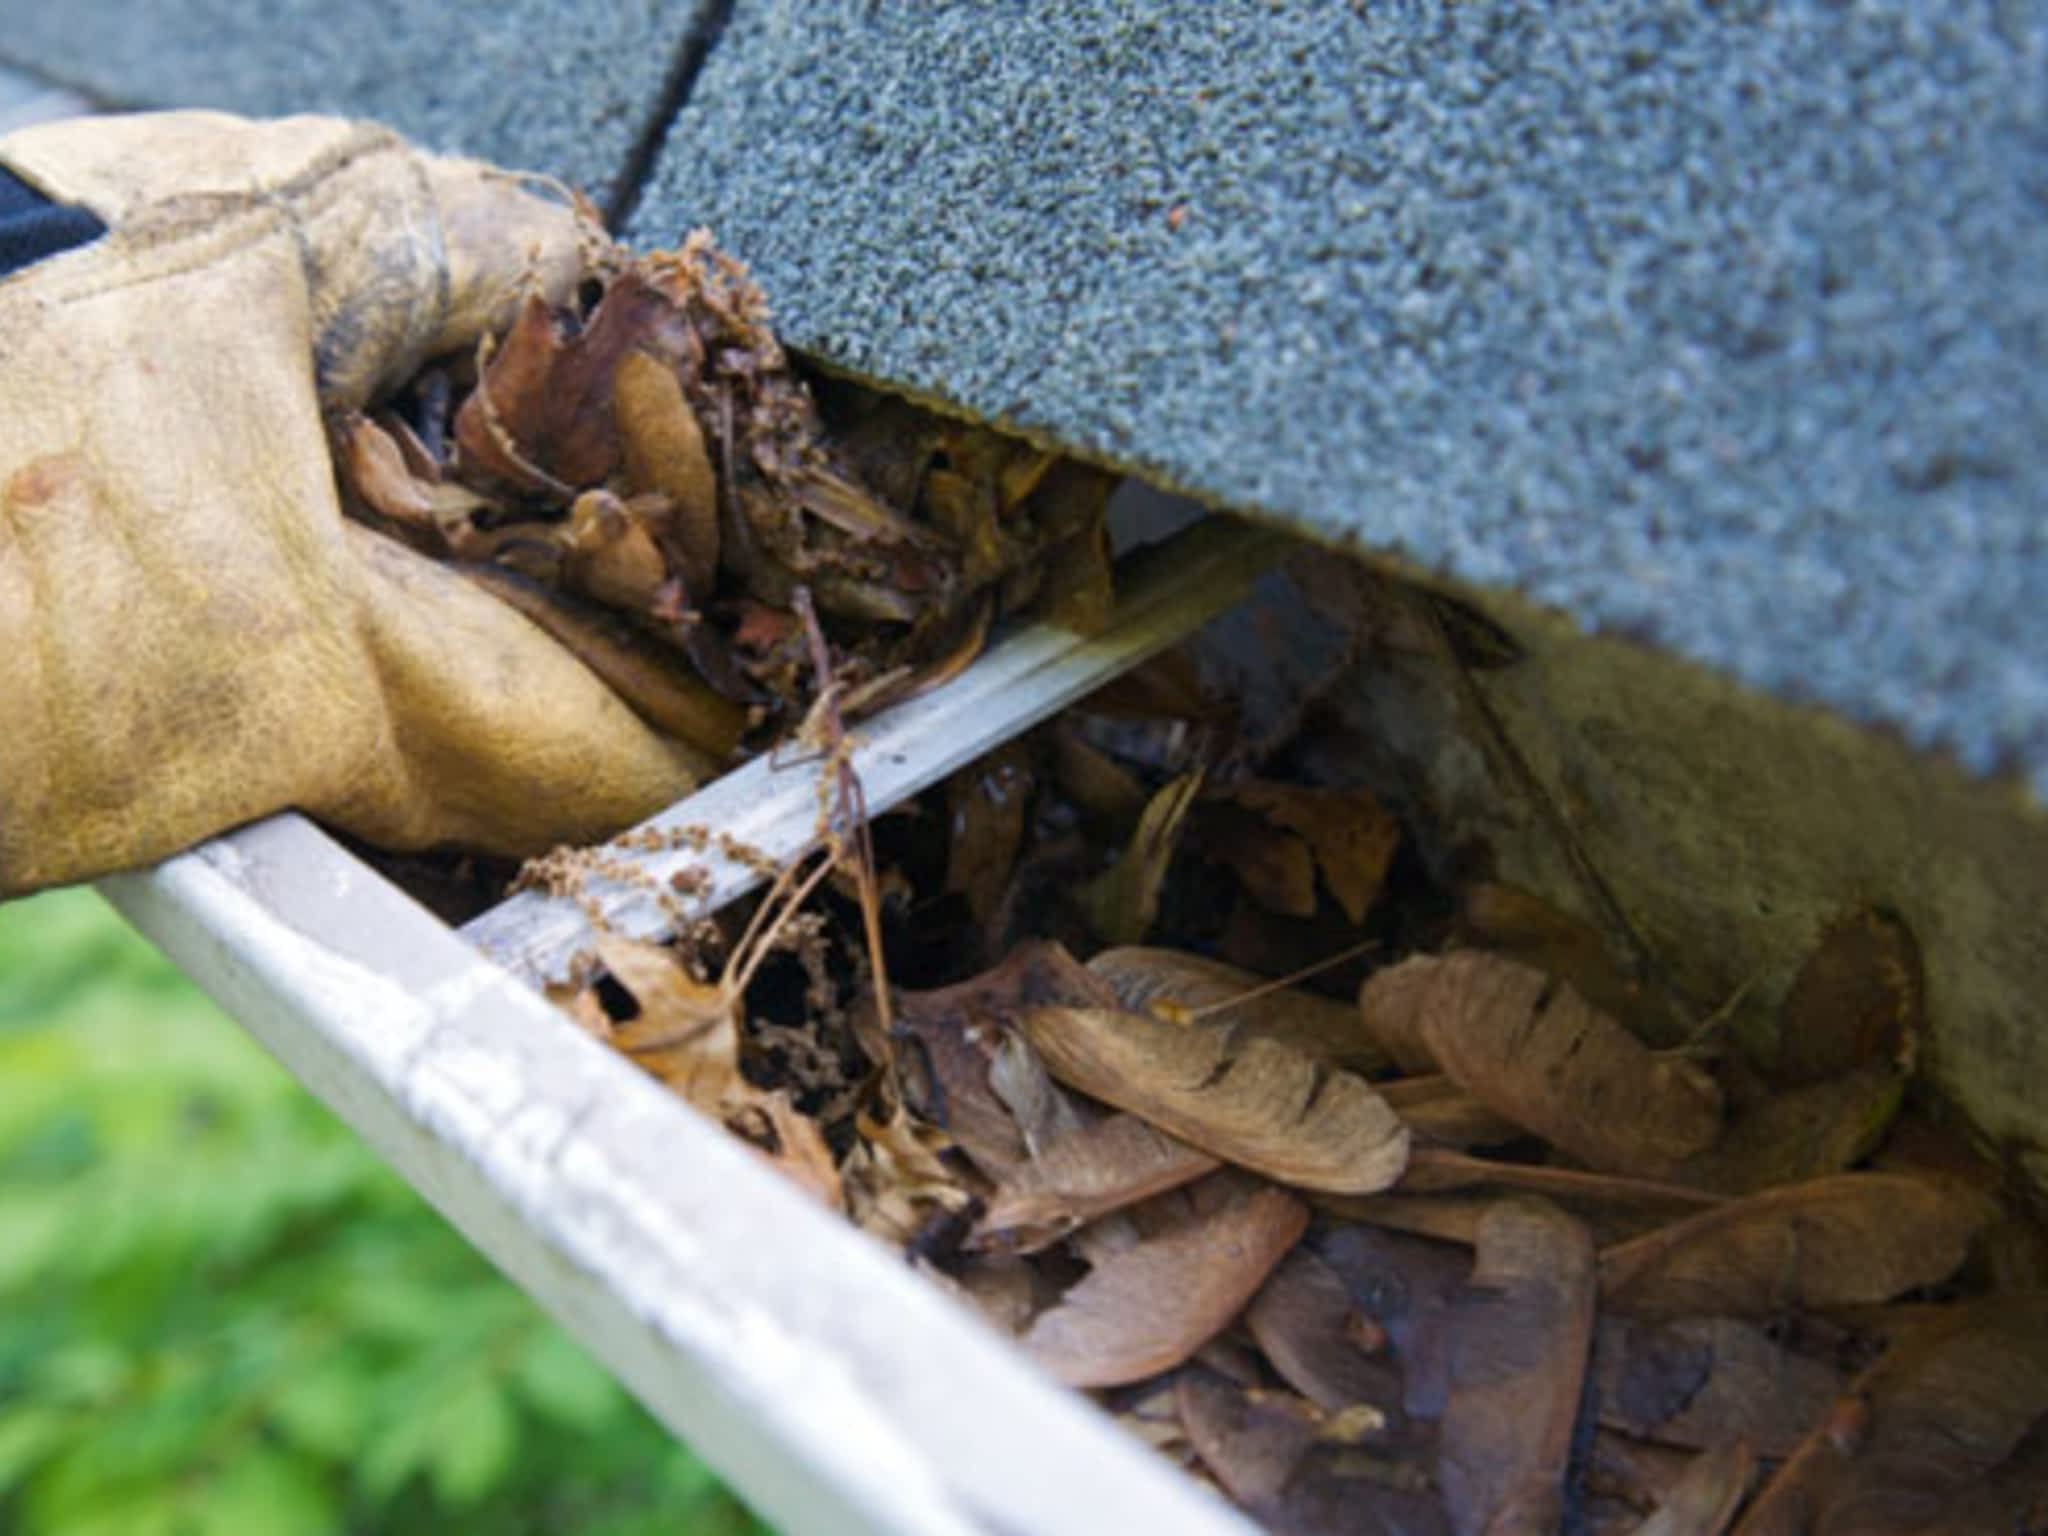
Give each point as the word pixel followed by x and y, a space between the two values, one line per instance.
pixel 563 88
pixel 1719 326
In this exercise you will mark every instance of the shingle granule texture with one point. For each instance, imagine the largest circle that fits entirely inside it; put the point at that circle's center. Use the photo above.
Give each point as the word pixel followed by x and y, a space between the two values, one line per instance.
pixel 542 84
pixel 1722 326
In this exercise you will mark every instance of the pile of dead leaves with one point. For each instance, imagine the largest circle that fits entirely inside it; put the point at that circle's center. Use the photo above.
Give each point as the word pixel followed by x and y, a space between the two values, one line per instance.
pixel 647 476
pixel 1430 1238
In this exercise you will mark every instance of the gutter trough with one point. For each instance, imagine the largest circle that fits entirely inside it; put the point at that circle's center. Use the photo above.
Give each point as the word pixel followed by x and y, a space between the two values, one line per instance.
pixel 828 1382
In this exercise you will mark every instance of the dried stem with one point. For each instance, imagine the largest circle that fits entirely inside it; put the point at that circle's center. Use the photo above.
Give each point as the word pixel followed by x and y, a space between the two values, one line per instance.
pixel 849 830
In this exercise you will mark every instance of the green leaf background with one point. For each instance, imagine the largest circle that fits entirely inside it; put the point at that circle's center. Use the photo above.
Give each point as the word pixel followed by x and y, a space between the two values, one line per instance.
pixel 221 1315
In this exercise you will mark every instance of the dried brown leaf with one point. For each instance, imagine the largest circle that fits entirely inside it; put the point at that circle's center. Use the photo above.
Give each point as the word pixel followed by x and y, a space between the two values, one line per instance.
pixel 687 1034
pixel 898 1183
pixel 986 805
pixel 1274 865
pixel 1858 999
pixel 952 1035
pixel 1919 1429
pixel 1259 1104
pixel 1437 1110
pixel 1405 1286
pixel 1174 984
pixel 1845 1240
pixel 1606 1202
pixel 664 451
pixel 1149 1308
pixel 1123 902
pixel 1531 1049
pixel 497 428
pixel 1637 1472
pixel 1251 1441
pixel 1103 789
pixel 1802 1133
pixel 1351 834
pixel 1109 1165
pixel 649 679
pixel 1520 925
pixel 1705 1499
pixel 1309 1329
pixel 1704 1382
pixel 1524 1330
pixel 611 555
pixel 374 466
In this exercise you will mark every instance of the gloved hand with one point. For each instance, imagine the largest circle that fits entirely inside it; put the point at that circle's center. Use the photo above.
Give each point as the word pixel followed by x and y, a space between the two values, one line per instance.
pixel 191 636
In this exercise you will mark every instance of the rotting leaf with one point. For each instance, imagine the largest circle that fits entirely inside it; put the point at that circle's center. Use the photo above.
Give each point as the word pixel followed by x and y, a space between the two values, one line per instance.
pixel 1706 1497
pixel 1251 1441
pixel 1150 1307
pixel 1523 1333
pixel 1930 1420
pixel 1845 1240
pixel 1533 1050
pixel 1639 1473
pixel 1859 998
pixel 1122 903
pixel 1310 1330
pixel 1116 1162
pixel 1349 831
pixel 1259 1104
pixel 1405 1286
pixel 1174 985
pixel 987 803
pixel 1274 865
pixel 1707 1381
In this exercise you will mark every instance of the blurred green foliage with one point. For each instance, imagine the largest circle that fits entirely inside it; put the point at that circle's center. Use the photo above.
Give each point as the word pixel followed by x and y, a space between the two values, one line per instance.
pixel 220 1315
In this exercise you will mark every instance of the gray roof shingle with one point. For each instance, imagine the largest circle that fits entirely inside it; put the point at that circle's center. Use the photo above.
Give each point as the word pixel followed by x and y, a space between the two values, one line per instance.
pixel 1720 326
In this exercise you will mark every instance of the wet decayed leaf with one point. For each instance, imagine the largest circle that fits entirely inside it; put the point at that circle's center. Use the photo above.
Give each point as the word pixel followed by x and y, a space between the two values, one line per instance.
pixel 1314 1335
pixel 1152 1306
pixel 1274 866
pixel 1176 985
pixel 1802 1133
pixel 1405 1286
pixel 1349 832
pixel 1123 902
pixel 1707 1381
pixel 987 805
pixel 1705 1499
pixel 1923 1426
pixel 1523 1333
pixel 1251 1442
pixel 1859 998
pixel 1531 1049
pixel 1841 1241
pixel 1257 1104
pixel 1108 1165
pixel 1634 1472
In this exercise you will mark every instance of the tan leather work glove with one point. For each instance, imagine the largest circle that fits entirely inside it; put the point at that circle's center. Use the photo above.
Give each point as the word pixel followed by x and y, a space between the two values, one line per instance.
pixel 191 636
